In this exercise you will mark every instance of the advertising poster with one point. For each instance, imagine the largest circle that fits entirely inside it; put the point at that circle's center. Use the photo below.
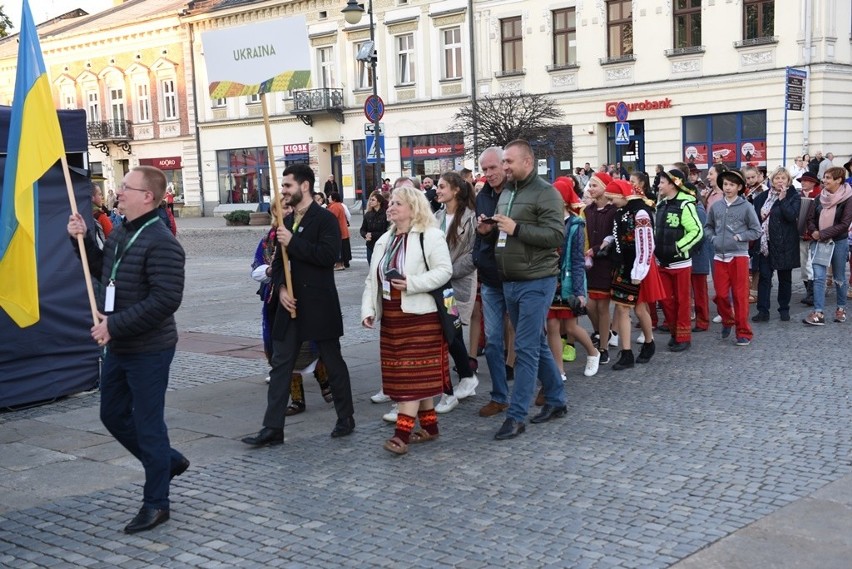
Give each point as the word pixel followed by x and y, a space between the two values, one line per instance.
pixel 753 153
pixel 725 153
pixel 696 154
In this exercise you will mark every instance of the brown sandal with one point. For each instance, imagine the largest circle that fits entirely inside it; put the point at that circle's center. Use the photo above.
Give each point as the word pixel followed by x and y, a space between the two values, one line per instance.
pixel 294 409
pixel 396 446
pixel 421 436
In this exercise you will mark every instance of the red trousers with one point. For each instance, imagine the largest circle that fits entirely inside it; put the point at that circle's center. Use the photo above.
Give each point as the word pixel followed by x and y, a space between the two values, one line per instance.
pixel 676 305
pixel 701 300
pixel 731 280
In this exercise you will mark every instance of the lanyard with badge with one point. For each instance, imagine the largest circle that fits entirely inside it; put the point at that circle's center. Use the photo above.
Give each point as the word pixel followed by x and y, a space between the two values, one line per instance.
pixel 501 238
pixel 109 299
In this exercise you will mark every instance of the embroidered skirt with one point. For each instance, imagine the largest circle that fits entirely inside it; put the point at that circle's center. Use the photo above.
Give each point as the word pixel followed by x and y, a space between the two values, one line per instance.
pixel 413 353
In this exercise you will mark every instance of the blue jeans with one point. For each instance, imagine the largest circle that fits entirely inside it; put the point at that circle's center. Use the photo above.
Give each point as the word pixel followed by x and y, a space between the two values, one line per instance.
pixel 527 303
pixel 133 400
pixel 838 267
pixel 493 311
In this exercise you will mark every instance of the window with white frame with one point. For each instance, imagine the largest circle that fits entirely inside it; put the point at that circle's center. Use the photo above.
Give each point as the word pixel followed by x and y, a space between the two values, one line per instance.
pixel 170 104
pixel 142 92
pixel 405 59
pixel 219 103
pixel 325 59
pixel 255 98
pixel 452 49
pixel 93 104
pixel 68 93
pixel 363 71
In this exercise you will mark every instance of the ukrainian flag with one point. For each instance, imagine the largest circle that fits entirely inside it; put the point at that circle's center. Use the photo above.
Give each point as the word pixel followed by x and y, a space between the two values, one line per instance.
pixel 35 144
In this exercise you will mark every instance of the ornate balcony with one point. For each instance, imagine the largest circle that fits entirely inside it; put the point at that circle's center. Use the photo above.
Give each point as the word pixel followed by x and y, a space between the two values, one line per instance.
pixel 309 102
pixel 101 133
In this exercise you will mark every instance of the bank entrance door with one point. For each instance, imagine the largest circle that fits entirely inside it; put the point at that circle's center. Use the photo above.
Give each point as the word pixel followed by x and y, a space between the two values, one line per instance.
pixel 631 156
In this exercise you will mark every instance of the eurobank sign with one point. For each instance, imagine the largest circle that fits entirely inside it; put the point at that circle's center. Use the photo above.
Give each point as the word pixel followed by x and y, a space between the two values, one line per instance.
pixel 646 105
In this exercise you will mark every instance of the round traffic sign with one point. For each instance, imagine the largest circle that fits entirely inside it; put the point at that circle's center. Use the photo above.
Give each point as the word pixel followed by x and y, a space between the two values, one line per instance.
pixel 374 108
pixel 621 111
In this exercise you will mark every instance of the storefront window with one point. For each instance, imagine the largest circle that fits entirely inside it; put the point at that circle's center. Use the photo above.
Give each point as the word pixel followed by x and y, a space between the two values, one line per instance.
pixel 732 139
pixel 431 154
pixel 243 175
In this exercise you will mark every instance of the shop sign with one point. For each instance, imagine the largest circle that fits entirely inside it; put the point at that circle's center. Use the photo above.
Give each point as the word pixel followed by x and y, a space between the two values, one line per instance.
pixel 696 154
pixel 435 151
pixel 724 153
pixel 173 163
pixel 753 153
pixel 301 148
pixel 612 108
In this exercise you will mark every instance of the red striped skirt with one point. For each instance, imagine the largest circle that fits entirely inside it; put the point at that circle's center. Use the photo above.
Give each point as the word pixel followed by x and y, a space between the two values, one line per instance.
pixel 413 352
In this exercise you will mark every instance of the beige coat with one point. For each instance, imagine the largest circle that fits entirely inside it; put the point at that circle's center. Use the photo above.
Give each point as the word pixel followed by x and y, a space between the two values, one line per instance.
pixel 416 299
pixel 464 271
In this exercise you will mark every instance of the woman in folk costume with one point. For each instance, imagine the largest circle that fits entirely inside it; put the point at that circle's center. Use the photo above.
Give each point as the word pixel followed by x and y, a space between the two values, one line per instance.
pixel 635 280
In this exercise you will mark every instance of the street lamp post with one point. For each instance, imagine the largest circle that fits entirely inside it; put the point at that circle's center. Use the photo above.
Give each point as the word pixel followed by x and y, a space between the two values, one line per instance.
pixel 353 13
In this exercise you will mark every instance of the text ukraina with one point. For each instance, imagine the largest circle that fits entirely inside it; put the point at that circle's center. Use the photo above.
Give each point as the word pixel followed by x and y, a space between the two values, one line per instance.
pixel 254 52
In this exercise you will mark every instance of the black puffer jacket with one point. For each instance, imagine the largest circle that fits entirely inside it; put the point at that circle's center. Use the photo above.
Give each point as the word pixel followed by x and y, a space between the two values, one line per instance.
pixel 148 285
pixel 783 229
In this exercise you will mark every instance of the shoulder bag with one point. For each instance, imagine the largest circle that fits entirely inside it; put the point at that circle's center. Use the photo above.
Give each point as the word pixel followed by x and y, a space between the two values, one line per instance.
pixel 445 301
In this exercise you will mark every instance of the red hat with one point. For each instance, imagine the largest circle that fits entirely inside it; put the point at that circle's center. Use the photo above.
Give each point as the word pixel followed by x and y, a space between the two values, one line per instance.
pixel 620 188
pixel 603 177
pixel 565 187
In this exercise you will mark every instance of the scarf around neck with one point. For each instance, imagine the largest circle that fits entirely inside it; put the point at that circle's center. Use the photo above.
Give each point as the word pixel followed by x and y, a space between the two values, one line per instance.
pixel 764 216
pixel 829 203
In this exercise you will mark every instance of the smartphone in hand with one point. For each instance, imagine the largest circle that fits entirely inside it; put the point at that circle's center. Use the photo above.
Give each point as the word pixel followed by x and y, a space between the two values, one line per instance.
pixel 490 220
pixel 393 274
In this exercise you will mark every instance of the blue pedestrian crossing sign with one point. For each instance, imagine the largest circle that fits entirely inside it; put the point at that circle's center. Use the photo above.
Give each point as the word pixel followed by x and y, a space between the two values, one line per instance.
pixel 371 144
pixel 622 133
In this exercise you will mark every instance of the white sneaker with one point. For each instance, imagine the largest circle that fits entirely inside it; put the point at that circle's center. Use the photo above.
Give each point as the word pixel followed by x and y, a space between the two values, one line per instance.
pixel 391 415
pixel 592 364
pixel 447 403
pixel 564 378
pixel 641 338
pixel 467 387
pixel 380 397
pixel 613 338
pixel 268 379
pixel 717 319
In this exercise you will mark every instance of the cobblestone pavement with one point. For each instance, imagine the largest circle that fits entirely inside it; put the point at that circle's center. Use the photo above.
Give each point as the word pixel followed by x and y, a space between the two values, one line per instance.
pixel 650 466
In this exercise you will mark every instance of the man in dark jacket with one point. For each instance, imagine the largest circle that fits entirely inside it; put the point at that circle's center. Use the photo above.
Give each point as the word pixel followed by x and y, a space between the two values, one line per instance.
pixel 330 187
pixel 529 226
pixel 311 236
pixel 493 302
pixel 141 269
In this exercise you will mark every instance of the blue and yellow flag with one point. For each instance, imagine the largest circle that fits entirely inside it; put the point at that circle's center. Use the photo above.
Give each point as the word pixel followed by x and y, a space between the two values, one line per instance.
pixel 35 144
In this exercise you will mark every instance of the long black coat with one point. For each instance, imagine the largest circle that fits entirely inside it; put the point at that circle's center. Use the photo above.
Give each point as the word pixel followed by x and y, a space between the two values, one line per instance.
pixel 313 250
pixel 783 229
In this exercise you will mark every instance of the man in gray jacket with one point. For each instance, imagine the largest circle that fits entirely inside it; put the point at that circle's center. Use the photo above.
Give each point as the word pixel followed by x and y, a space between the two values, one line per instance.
pixel 731 224
pixel 530 228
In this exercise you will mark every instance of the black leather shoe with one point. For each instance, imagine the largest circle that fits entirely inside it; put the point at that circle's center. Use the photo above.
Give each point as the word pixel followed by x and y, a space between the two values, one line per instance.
pixel 266 437
pixel 760 317
pixel 510 429
pixel 680 346
pixel 549 412
pixel 146 519
pixel 179 467
pixel 343 428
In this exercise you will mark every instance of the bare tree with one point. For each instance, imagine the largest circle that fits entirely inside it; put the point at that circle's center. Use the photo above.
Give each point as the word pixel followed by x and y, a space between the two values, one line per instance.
pixel 501 118
pixel 5 22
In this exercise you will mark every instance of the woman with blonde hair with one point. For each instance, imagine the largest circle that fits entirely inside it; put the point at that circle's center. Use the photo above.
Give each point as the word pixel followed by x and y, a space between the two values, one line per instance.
pixel 778 246
pixel 409 260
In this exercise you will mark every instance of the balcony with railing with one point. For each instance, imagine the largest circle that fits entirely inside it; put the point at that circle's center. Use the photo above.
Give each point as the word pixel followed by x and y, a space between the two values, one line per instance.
pixel 101 133
pixel 310 102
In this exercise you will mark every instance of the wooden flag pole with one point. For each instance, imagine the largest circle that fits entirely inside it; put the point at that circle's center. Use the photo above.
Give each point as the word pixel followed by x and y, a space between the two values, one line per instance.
pixel 276 196
pixel 84 258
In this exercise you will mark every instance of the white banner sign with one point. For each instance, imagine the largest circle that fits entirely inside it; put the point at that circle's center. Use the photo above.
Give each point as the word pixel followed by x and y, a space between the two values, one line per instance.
pixel 258 58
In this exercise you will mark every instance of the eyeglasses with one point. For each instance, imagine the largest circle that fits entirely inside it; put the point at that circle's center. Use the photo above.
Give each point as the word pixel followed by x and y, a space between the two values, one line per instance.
pixel 125 187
